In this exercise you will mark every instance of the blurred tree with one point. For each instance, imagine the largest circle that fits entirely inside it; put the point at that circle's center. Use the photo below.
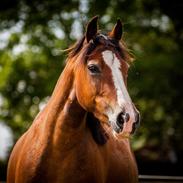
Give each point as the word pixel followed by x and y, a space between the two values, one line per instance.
pixel 32 34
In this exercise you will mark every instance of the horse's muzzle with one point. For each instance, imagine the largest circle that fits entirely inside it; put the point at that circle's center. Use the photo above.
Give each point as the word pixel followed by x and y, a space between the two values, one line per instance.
pixel 124 118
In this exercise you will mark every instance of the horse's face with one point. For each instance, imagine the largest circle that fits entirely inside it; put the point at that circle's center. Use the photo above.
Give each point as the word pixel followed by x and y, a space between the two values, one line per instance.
pixel 100 83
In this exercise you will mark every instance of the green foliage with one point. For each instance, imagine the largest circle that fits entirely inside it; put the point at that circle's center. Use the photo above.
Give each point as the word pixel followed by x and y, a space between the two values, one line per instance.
pixel 31 61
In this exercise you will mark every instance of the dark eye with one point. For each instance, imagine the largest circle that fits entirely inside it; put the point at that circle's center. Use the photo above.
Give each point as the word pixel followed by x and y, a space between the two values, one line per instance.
pixel 94 69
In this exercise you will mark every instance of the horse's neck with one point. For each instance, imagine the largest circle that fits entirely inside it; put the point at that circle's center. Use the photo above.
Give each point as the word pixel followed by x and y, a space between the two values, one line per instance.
pixel 63 116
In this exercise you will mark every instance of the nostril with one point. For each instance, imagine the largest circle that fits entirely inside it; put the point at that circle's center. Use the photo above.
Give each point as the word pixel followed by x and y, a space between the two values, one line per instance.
pixel 137 119
pixel 136 123
pixel 127 117
pixel 120 119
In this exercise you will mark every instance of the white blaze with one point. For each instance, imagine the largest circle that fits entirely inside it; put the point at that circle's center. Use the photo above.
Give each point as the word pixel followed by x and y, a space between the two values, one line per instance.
pixel 123 98
pixel 114 64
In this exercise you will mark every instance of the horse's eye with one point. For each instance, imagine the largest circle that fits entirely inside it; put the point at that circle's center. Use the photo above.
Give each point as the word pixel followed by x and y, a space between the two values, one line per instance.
pixel 94 69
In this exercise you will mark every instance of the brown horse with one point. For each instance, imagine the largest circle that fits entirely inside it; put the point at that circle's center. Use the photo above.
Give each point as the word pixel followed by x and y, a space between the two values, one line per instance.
pixel 82 134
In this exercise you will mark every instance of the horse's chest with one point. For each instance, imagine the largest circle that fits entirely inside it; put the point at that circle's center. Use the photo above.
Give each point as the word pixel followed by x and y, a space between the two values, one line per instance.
pixel 99 165
pixel 90 163
pixel 82 164
pixel 122 166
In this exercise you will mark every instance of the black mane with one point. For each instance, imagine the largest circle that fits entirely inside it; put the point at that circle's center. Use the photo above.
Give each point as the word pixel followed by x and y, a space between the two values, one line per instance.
pixel 100 39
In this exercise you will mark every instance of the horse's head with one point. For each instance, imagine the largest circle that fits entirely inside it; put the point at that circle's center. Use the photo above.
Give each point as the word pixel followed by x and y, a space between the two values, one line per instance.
pixel 101 68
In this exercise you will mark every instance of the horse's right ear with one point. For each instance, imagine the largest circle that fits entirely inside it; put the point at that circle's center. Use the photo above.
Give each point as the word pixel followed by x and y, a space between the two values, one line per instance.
pixel 92 28
pixel 117 31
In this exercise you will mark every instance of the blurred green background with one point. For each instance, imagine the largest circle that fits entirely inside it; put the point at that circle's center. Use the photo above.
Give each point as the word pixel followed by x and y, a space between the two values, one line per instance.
pixel 32 35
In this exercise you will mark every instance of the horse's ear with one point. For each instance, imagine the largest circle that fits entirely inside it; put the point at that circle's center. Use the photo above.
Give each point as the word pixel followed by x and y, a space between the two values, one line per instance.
pixel 117 31
pixel 92 28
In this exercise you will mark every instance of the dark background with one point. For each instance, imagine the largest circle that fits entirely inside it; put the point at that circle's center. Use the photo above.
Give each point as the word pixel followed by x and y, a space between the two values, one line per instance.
pixel 31 61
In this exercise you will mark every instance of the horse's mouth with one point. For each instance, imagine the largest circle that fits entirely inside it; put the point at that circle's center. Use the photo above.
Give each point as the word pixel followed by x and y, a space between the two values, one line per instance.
pixel 120 131
pixel 115 127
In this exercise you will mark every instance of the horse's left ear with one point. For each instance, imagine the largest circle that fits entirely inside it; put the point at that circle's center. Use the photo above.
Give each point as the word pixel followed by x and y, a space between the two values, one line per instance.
pixel 92 28
pixel 117 31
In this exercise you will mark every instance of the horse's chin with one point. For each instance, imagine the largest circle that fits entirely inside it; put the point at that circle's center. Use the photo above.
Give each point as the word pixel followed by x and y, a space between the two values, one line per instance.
pixel 121 134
